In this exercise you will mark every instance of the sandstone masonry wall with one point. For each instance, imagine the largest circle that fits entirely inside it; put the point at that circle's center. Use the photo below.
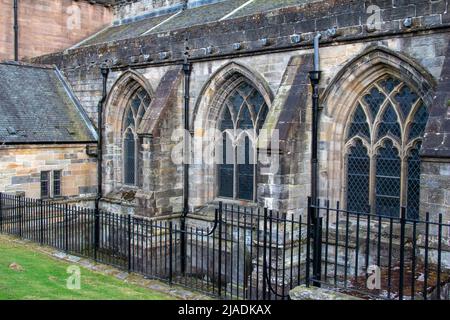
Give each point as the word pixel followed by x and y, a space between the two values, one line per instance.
pixel 49 26
pixel 424 44
pixel 20 168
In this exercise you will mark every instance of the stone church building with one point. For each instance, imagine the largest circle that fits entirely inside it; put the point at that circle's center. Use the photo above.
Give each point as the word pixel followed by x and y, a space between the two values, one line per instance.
pixel 384 116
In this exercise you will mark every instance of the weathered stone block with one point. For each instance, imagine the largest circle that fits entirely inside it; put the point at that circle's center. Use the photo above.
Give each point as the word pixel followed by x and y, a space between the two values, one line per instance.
pixel 314 293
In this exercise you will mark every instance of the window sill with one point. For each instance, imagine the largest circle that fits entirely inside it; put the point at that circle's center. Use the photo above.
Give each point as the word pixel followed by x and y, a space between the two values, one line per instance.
pixel 241 203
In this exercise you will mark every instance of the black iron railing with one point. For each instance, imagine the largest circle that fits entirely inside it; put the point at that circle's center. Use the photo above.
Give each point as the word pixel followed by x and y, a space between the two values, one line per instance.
pixel 251 253
pixel 242 254
pixel 377 256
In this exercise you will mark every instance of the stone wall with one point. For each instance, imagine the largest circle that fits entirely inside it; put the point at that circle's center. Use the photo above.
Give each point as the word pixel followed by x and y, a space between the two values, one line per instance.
pixel 49 26
pixel 20 168
pixel 279 67
pixel 435 188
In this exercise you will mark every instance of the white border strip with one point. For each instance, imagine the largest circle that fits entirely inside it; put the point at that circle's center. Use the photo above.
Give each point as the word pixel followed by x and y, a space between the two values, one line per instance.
pixel 236 10
pixel 161 23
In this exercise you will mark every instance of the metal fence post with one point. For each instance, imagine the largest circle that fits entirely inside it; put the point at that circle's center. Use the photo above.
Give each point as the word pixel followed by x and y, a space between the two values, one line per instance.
pixel 308 243
pixel 96 231
pixel 317 260
pixel 21 209
pixel 170 253
pixel 265 256
pixel 402 252
pixel 219 267
pixel 66 227
pixel 183 232
pixel 129 242
pixel 41 222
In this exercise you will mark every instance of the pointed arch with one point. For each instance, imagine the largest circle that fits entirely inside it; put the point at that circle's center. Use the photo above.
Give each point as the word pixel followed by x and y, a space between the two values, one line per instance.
pixel 361 72
pixel 377 83
pixel 222 81
pixel 120 93
pixel 235 98
pixel 125 104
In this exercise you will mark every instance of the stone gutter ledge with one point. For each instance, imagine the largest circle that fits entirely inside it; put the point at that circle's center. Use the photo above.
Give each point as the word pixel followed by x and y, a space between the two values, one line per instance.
pixel 313 293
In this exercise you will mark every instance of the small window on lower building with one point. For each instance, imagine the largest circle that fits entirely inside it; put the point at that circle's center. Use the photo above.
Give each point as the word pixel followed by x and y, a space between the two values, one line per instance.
pixel 51 184
pixel 57 183
pixel 45 184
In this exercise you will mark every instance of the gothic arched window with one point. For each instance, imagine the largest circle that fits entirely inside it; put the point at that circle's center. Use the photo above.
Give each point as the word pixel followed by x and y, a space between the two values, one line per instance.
pixel 243 115
pixel 134 112
pixel 384 137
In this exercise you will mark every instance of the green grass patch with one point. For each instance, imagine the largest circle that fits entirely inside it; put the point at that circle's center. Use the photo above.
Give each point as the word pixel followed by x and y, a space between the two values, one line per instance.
pixel 39 276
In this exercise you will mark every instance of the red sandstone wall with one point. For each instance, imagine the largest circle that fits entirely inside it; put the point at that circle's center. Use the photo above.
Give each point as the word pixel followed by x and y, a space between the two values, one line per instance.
pixel 48 26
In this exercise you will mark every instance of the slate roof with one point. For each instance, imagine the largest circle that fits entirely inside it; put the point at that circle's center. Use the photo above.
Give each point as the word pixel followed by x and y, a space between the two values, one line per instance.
pixel 198 13
pixel 37 106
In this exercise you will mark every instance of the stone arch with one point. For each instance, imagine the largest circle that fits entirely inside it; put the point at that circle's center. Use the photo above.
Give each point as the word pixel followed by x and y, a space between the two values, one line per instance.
pixel 206 114
pixel 115 107
pixel 219 85
pixel 119 94
pixel 340 98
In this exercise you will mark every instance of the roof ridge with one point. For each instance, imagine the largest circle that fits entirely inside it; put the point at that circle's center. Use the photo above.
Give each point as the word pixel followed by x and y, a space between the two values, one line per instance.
pixel 27 64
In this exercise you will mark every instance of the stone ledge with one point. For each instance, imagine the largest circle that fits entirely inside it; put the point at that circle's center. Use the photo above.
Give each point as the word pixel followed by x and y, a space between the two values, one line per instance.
pixel 313 293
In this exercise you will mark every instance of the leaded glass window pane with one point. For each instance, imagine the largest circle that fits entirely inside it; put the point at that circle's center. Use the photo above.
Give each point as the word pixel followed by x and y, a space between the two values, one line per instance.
pixel 256 101
pixel 243 107
pixel 262 116
pixel 374 100
pixel 129 159
pixel 388 169
pixel 385 163
pixel 129 120
pixel 358 168
pixel 389 124
pixel 226 168
pixel 245 172
pixel 142 94
pixel 135 104
pixel 389 84
pixel 236 100
pixel 245 89
pixel 136 108
pixel 359 125
pixel 413 201
pixel 227 121
pixel 245 119
pixel 406 99
pixel 419 123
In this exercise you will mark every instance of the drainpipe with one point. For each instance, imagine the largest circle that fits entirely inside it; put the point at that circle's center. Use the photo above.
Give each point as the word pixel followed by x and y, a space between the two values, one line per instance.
pixel 314 77
pixel 187 67
pixel 16 31
pixel 105 71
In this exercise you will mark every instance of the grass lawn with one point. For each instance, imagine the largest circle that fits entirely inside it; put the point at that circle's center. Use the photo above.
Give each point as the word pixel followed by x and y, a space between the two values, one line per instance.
pixel 36 275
